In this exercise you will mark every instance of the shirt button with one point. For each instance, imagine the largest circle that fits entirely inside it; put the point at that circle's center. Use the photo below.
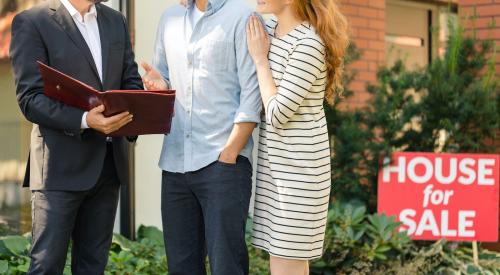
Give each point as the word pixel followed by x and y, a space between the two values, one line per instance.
pixel 190 63
pixel 187 135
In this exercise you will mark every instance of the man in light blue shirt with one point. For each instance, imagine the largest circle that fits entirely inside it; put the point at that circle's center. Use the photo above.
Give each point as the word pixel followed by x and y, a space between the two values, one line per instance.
pixel 201 52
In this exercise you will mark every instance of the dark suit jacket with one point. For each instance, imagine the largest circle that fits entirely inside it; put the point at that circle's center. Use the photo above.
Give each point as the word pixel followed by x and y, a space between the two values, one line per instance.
pixel 62 157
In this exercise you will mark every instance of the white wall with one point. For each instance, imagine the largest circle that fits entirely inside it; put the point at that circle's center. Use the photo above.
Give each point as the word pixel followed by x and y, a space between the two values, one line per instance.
pixel 147 151
pixel 115 5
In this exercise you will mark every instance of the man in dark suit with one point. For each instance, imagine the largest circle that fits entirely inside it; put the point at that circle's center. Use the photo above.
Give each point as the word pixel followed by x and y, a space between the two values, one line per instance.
pixel 74 171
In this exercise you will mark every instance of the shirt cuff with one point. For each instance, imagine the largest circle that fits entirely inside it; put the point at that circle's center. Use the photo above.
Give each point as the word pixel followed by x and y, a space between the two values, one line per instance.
pixel 242 116
pixel 84 121
pixel 266 109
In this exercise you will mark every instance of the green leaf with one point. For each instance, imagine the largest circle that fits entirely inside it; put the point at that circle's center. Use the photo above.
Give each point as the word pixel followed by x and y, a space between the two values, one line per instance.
pixel 350 233
pixel 3 250
pixel 152 233
pixel 16 245
pixel 28 237
pixel 387 235
pixel 24 267
pixel 338 231
pixel 359 235
pixel 142 263
pixel 380 256
pixel 125 256
pixel 375 221
pixel 4 266
pixel 124 243
pixel 358 214
pixel 382 248
pixel 472 269
pixel 319 264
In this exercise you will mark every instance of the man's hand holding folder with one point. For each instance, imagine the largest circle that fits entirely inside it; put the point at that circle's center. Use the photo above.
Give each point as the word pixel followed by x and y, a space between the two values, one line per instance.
pixel 107 125
pixel 113 113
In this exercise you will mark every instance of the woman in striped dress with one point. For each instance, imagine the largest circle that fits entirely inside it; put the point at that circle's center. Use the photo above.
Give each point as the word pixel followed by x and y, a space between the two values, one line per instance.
pixel 299 65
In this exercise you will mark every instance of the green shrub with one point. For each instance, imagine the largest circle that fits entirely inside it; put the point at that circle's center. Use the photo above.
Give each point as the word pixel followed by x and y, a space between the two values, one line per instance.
pixel 361 243
pixel 451 105
pixel 355 243
pixel 13 254
pixel 144 256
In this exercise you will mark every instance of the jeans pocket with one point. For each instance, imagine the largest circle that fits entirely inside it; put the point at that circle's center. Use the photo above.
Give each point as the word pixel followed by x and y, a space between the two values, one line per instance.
pixel 225 164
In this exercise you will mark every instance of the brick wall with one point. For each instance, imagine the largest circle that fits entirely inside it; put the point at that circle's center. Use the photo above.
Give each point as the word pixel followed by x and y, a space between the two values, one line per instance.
pixel 488 14
pixel 367 29
pixel 487 25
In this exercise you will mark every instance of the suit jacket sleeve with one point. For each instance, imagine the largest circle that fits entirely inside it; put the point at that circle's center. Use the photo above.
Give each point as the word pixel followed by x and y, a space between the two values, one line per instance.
pixel 26 48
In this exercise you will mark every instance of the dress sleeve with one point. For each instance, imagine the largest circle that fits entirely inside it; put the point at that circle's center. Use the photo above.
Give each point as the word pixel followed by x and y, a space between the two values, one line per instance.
pixel 306 63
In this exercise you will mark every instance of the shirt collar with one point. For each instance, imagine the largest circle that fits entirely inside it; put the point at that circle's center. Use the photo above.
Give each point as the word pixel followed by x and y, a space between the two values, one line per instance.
pixel 75 13
pixel 212 7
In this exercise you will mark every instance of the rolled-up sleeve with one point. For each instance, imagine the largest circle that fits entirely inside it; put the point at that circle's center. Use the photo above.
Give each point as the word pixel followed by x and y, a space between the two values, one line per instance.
pixel 250 100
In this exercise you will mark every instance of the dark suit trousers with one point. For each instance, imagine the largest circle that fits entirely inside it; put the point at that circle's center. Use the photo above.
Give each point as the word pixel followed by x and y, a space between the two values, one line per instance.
pixel 86 217
pixel 206 211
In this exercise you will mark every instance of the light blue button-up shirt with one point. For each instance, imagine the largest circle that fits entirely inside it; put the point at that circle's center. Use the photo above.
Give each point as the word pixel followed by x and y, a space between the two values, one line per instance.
pixel 215 78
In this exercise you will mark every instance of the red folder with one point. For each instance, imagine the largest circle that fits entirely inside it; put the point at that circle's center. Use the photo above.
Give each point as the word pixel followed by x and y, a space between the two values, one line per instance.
pixel 152 110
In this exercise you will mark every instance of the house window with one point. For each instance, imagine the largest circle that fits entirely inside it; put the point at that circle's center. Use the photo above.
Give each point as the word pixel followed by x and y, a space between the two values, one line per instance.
pixel 416 31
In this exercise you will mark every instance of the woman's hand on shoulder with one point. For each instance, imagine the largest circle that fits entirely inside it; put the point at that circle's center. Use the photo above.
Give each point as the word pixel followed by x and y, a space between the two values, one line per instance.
pixel 258 40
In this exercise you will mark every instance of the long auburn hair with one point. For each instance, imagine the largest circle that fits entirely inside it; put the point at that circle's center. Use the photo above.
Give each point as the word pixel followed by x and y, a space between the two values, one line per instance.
pixel 331 26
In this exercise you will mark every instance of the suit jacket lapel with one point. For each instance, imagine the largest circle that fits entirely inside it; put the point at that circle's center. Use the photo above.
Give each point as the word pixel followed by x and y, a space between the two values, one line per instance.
pixel 62 16
pixel 104 33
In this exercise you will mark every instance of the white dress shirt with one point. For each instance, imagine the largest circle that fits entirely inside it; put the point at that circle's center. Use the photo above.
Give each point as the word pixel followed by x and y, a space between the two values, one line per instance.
pixel 90 31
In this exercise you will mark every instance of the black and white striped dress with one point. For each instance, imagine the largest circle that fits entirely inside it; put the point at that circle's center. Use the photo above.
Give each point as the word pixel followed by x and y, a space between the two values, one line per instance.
pixel 293 168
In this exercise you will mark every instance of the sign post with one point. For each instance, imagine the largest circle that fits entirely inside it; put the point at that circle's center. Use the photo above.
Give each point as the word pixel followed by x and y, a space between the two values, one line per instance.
pixel 442 196
pixel 475 253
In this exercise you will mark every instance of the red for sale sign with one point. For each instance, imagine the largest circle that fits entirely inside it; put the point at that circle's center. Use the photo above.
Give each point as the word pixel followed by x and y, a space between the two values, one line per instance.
pixel 435 196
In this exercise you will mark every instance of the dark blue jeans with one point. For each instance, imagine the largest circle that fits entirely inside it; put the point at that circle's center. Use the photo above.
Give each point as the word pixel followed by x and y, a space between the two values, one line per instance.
pixel 206 211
